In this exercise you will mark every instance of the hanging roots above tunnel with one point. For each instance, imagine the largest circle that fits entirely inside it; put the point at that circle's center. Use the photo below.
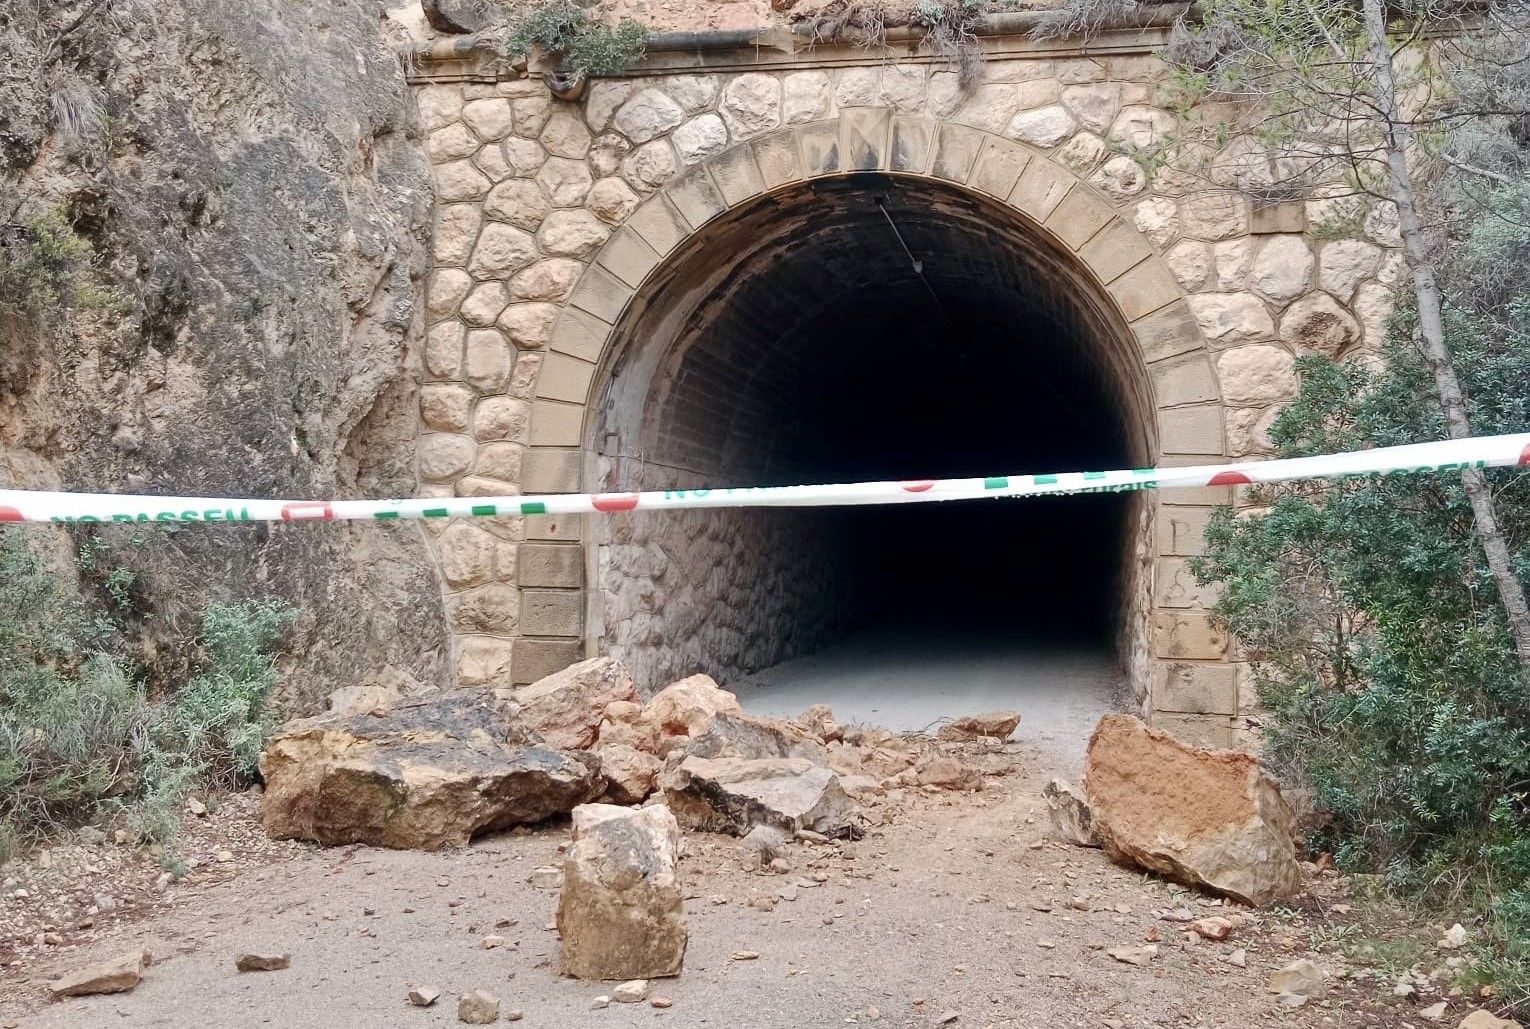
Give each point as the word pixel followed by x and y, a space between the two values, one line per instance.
pixel 949 27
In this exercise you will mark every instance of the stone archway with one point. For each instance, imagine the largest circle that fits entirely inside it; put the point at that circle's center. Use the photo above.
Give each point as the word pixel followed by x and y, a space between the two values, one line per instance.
pixel 1162 371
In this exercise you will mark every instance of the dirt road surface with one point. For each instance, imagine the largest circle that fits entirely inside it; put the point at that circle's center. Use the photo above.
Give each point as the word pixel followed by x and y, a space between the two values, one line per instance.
pixel 963 906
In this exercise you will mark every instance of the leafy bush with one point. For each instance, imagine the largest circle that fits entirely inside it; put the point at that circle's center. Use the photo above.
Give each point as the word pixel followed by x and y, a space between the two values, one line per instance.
pixel 563 30
pixel 45 265
pixel 79 732
pixel 1381 653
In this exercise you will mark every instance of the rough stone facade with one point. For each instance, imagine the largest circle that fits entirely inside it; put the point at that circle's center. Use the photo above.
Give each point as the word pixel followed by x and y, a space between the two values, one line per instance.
pixel 555 218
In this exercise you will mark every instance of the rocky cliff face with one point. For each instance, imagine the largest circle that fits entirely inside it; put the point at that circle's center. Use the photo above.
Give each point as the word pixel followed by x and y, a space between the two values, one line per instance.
pixel 245 176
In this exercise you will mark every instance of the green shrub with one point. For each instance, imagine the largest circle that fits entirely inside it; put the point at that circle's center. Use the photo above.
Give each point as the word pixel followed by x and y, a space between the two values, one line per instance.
pixel 563 30
pixel 1381 654
pixel 45 265
pixel 78 732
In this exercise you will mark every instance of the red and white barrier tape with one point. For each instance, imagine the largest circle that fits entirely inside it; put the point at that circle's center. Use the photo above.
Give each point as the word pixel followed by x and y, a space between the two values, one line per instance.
pixel 1445 456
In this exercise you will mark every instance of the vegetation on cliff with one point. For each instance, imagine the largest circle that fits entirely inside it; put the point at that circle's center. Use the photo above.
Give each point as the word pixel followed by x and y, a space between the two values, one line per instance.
pixel 83 730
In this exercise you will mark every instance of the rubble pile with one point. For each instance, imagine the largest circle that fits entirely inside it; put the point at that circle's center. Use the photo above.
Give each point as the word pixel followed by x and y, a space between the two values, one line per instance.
pixel 437 771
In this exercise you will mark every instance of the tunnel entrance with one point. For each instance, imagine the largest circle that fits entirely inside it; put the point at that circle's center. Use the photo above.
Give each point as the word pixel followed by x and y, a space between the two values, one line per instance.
pixel 866 327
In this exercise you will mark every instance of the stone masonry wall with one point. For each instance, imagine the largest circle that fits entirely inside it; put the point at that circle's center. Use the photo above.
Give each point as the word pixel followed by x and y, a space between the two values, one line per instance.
pixel 551 214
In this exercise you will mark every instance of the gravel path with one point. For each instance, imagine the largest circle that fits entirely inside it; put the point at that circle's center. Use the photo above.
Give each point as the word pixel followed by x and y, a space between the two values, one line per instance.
pixel 962 904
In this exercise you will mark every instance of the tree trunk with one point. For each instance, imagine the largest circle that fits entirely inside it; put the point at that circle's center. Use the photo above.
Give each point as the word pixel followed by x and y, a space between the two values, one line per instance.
pixel 1398 137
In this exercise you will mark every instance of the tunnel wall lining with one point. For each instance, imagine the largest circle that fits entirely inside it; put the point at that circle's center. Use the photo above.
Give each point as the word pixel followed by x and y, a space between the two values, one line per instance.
pixel 551 214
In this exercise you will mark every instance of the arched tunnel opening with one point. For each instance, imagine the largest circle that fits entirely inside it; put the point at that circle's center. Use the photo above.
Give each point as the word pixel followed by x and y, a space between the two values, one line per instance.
pixel 863 328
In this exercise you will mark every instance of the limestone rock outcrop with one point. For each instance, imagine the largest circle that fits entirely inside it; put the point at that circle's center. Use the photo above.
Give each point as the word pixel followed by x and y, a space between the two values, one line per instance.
pixel 1207 818
pixel 266 233
pixel 422 776
pixel 621 912
pixel 734 794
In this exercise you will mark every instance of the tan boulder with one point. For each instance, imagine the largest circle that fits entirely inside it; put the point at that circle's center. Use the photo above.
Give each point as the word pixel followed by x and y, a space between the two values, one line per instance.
pixel 621 913
pixel 733 795
pixel 748 736
pixel 946 773
pixel 1208 818
pixel 819 721
pixel 631 774
pixel 114 975
pixel 565 709
pixel 685 708
pixel 1484 1019
pixel 424 775
pixel 997 725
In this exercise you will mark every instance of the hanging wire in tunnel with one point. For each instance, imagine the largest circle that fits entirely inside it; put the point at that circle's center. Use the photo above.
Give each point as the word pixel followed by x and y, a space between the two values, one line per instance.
pixel 913 261
pixel 1067 405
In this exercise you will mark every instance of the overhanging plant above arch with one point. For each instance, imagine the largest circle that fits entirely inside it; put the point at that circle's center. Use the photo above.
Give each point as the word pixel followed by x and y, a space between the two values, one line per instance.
pixel 570 45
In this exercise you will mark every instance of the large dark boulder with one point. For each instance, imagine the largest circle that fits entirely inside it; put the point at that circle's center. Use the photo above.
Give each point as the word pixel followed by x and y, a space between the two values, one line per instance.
pixel 425 775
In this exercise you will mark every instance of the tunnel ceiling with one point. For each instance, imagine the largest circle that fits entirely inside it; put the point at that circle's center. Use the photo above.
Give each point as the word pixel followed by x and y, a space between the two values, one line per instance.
pixel 871 326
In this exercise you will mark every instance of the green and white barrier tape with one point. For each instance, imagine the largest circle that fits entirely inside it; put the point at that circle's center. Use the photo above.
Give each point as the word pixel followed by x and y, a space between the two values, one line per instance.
pixel 1446 456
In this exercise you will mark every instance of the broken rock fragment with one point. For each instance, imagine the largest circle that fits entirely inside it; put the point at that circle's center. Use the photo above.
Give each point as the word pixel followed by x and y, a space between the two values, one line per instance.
pixel 1071 818
pixel 994 725
pixel 733 795
pixel 480 1007
pixel 423 996
pixel 946 773
pixel 115 975
pixel 424 775
pixel 741 735
pixel 263 961
pixel 819 721
pixel 685 709
pixel 1300 978
pixel 621 913
pixel 564 710
pixel 762 845
pixel 631 775
pixel 1208 818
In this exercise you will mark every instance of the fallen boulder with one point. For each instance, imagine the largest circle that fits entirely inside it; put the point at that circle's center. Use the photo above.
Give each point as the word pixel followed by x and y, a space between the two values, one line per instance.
pixel 631 774
pixel 747 736
pixel 684 710
pixel 733 795
pixel 621 913
pixel 996 725
pixel 425 775
pixel 1208 818
pixel 623 724
pixel 115 975
pixel 946 773
pixel 1484 1019
pixel 819 720
pixel 1071 818
pixel 564 710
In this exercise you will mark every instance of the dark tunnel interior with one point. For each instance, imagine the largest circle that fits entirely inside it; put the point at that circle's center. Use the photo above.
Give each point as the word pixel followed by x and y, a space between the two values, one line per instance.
pixel 882 329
